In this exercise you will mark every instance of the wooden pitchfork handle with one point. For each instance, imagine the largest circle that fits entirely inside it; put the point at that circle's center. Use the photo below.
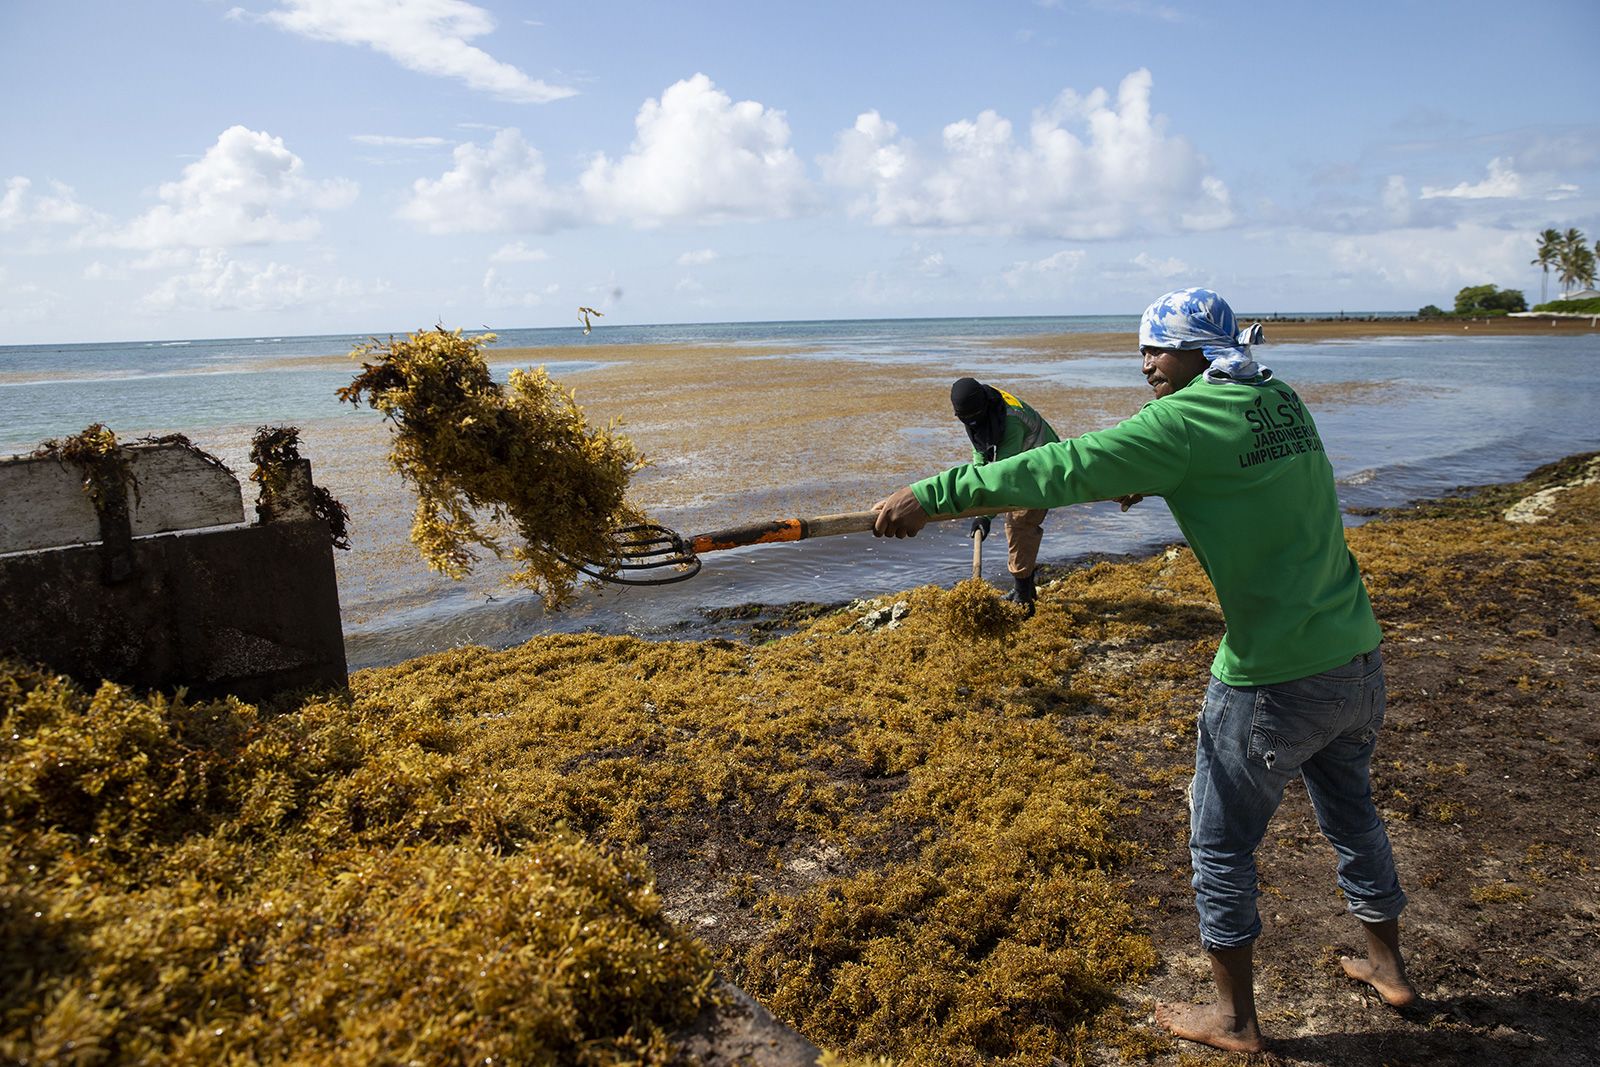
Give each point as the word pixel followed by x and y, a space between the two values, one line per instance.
pixel 767 533
pixel 651 554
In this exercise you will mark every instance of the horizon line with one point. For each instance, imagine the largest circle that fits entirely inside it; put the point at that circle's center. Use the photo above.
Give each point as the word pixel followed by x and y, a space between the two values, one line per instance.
pixel 1267 317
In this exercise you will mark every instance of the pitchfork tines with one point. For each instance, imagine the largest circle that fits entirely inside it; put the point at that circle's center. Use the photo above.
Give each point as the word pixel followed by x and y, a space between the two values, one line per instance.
pixel 642 551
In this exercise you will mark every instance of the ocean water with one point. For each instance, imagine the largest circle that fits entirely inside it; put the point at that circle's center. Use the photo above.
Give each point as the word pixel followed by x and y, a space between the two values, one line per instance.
pixel 1411 417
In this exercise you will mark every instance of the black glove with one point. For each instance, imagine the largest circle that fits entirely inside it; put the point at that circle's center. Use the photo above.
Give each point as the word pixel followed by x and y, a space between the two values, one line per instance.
pixel 980 526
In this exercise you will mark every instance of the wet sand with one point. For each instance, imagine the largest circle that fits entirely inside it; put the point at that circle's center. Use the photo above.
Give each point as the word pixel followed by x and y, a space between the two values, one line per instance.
pixel 745 433
pixel 733 435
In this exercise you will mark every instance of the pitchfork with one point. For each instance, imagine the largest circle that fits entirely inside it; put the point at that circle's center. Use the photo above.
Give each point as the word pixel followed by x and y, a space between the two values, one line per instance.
pixel 643 550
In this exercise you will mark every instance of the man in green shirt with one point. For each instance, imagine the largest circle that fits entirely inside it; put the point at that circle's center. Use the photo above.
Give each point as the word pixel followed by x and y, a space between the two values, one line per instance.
pixel 1297 686
pixel 1001 426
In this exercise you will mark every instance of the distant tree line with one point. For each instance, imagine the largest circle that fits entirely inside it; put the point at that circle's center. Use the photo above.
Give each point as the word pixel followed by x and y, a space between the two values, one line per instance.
pixel 1568 254
pixel 1480 300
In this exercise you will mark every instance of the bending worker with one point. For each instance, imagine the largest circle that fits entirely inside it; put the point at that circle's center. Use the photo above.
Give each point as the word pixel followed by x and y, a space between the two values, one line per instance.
pixel 1001 426
pixel 1297 683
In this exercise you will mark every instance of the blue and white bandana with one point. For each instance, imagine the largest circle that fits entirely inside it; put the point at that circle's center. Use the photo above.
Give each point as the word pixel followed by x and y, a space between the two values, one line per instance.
pixel 1199 318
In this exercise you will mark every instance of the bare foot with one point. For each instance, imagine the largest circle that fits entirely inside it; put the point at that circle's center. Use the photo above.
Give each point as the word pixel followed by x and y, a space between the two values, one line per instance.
pixel 1203 1023
pixel 1391 986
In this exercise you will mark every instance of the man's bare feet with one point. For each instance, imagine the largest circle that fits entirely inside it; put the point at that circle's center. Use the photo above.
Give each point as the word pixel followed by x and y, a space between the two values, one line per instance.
pixel 1391 986
pixel 1205 1024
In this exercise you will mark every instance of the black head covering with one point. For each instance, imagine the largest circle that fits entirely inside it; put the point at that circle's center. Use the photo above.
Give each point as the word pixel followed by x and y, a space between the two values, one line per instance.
pixel 982 410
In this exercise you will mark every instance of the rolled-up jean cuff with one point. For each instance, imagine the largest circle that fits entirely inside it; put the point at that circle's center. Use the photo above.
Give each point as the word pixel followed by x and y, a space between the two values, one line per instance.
pixel 1216 946
pixel 1379 911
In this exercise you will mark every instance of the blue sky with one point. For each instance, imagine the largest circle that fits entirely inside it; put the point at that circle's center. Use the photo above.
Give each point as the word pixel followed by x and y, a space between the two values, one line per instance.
pixel 188 168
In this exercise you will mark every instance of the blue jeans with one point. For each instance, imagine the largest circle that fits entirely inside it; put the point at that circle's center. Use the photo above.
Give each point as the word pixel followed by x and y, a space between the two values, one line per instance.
pixel 1252 742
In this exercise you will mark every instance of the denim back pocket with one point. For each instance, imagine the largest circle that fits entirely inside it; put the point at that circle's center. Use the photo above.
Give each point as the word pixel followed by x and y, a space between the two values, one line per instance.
pixel 1288 728
pixel 1375 694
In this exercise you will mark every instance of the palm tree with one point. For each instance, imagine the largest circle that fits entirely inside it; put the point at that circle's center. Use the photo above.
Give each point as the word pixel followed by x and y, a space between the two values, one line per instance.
pixel 1549 255
pixel 1586 267
pixel 1574 262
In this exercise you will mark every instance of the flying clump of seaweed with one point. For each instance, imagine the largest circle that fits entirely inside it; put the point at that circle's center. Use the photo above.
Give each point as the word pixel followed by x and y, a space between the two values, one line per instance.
pixel 483 458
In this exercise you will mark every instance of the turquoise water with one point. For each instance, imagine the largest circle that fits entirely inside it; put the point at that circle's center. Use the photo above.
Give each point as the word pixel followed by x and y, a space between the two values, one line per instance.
pixel 1428 414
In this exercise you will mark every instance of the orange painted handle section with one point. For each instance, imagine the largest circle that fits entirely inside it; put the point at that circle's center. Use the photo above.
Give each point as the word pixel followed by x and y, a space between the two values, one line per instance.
pixel 766 533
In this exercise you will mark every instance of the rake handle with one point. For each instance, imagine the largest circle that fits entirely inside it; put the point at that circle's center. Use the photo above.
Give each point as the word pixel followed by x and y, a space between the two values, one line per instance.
pixel 767 533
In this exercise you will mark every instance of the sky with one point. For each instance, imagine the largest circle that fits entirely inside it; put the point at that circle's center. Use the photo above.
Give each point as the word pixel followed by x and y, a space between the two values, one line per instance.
pixel 197 169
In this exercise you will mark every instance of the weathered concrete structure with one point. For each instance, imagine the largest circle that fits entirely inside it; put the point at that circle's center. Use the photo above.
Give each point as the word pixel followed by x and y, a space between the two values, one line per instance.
pixel 250 610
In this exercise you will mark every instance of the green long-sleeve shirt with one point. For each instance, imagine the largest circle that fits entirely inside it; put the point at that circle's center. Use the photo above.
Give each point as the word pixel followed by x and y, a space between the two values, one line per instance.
pixel 1243 471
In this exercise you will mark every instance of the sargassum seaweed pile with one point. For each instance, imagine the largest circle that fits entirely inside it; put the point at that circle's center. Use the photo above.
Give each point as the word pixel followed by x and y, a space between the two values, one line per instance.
pixel 194 884
pixel 906 837
pixel 457 855
pixel 486 459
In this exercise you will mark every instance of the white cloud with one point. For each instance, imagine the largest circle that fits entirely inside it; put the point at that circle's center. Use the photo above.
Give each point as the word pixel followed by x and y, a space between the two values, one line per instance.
pixel 21 206
pixel 1170 267
pixel 1397 200
pixel 931 264
pixel 500 293
pixel 11 208
pixel 426 36
pixel 1065 262
pixel 165 259
pixel 214 281
pixel 517 252
pixel 698 258
pixel 1501 182
pixel 387 141
pixel 247 189
pixel 1432 260
pixel 501 187
pixel 699 157
pixel 218 283
pixel 1124 175
pixel 27 304
pixel 1212 210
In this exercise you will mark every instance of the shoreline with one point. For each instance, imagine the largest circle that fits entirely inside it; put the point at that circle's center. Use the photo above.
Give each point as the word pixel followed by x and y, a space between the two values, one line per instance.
pixel 738 435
